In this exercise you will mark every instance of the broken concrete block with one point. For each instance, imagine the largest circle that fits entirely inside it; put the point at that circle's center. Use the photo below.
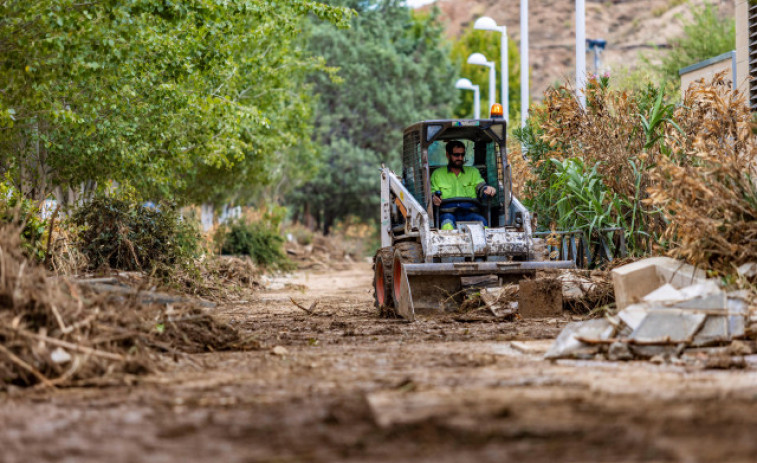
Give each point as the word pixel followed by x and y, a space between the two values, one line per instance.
pixel 633 315
pixel 668 326
pixel 737 326
pixel 619 351
pixel 715 330
pixel 567 346
pixel 664 293
pixel 539 298
pixel 634 281
pixel 708 303
pixel 701 289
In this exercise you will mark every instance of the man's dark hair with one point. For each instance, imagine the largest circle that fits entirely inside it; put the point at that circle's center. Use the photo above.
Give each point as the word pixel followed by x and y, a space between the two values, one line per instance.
pixel 454 144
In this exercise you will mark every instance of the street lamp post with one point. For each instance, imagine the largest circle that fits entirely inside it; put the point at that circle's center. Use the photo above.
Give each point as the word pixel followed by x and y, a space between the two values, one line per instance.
pixel 581 51
pixel 480 60
pixel 465 84
pixel 523 62
pixel 486 23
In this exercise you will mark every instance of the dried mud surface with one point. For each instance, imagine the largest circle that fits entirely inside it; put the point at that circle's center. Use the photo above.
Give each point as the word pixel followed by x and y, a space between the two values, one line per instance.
pixel 353 387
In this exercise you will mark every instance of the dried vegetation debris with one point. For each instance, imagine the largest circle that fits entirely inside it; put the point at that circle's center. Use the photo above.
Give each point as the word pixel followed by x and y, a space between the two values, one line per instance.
pixel 220 278
pixel 324 252
pixel 56 332
pixel 708 190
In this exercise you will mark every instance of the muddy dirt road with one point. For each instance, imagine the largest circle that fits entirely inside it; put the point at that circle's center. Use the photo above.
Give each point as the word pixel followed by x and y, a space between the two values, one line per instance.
pixel 345 385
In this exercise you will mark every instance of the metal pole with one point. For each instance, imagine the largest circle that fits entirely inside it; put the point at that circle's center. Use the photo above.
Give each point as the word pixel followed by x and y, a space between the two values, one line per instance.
pixel 596 60
pixel 492 87
pixel 505 75
pixel 581 51
pixel 523 62
pixel 476 103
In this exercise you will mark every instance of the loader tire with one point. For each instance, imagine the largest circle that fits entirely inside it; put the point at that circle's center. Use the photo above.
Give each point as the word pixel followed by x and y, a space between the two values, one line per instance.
pixel 382 281
pixel 407 252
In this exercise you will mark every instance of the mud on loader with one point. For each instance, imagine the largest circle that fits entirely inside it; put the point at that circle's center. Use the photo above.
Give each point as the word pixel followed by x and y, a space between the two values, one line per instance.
pixel 421 268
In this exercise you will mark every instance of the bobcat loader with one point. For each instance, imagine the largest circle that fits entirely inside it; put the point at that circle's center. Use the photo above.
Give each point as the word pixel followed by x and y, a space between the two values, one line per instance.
pixel 421 268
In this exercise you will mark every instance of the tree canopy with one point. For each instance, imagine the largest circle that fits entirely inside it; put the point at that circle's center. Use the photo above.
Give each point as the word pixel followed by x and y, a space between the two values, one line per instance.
pixel 395 69
pixel 188 100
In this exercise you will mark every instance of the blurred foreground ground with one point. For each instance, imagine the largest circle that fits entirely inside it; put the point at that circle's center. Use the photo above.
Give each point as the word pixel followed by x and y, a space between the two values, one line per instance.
pixel 348 386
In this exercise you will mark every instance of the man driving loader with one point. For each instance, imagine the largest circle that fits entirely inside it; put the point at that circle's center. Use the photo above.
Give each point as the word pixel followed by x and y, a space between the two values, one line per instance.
pixel 458 181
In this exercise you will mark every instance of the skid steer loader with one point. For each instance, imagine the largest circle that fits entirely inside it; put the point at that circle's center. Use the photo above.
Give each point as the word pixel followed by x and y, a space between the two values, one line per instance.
pixel 421 268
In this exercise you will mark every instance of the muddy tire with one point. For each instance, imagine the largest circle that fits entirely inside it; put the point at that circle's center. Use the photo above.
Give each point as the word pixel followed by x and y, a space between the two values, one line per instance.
pixel 382 281
pixel 407 252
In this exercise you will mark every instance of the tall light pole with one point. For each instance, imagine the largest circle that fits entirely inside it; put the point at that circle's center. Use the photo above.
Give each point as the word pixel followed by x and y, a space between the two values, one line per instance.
pixel 523 62
pixel 465 84
pixel 480 60
pixel 581 51
pixel 486 23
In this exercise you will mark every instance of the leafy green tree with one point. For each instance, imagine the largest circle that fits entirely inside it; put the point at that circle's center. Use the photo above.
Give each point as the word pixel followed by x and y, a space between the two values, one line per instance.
pixel 488 43
pixel 189 100
pixel 705 36
pixel 394 69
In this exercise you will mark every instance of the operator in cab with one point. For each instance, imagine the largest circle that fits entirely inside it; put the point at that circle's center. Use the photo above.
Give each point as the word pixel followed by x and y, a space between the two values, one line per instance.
pixel 458 181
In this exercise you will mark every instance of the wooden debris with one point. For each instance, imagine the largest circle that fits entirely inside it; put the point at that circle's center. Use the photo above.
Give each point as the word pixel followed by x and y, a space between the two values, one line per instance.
pixel 309 310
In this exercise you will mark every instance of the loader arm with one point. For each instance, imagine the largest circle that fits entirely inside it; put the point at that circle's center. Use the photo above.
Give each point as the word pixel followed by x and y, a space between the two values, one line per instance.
pixel 416 218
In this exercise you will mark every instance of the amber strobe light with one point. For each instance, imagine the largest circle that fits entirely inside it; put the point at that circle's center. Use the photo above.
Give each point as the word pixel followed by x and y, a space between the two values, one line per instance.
pixel 496 111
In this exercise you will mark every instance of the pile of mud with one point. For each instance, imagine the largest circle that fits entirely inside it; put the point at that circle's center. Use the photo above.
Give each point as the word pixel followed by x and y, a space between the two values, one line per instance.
pixel 55 332
pixel 325 252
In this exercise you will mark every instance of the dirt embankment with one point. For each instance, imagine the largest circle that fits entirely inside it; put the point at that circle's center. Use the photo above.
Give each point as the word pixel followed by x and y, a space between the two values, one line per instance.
pixel 341 384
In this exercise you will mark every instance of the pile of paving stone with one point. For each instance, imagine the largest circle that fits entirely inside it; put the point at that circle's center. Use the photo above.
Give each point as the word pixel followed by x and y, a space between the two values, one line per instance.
pixel 683 316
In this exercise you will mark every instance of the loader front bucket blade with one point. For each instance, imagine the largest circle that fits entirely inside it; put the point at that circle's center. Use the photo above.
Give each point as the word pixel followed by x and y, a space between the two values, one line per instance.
pixel 437 288
pixel 406 308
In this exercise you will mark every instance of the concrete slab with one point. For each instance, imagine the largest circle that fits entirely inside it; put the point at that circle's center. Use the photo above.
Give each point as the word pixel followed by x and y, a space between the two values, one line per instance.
pixel 737 326
pixel 668 326
pixel 567 346
pixel 701 289
pixel 633 315
pixel 710 302
pixel 634 281
pixel 715 330
pixel 664 293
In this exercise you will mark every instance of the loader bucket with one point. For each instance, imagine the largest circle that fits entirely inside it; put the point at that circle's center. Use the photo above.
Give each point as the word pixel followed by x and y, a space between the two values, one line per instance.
pixel 435 288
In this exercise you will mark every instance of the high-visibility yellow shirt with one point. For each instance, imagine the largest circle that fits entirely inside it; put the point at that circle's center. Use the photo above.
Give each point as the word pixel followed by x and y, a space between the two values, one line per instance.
pixel 456 186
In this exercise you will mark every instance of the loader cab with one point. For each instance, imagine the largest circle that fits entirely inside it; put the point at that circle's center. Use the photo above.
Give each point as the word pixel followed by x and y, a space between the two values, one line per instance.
pixel 423 152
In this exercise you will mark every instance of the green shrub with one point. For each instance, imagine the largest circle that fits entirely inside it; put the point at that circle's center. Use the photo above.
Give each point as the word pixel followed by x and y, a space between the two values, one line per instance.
pixel 260 240
pixel 124 235
pixel 23 213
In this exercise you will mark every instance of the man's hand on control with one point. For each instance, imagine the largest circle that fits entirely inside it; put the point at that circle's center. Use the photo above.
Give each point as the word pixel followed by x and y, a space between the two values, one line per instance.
pixel 489 191
pixel 437 200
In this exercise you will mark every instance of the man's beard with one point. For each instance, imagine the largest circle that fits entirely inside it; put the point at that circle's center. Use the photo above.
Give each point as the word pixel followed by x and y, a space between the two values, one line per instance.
pixel 456 163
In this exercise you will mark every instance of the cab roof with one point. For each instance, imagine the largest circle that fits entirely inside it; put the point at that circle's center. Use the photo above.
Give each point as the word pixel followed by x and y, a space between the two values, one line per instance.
pixel 452 129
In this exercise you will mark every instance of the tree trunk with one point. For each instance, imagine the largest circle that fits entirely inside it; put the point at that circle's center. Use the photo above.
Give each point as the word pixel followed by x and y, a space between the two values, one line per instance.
pixel 328 221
